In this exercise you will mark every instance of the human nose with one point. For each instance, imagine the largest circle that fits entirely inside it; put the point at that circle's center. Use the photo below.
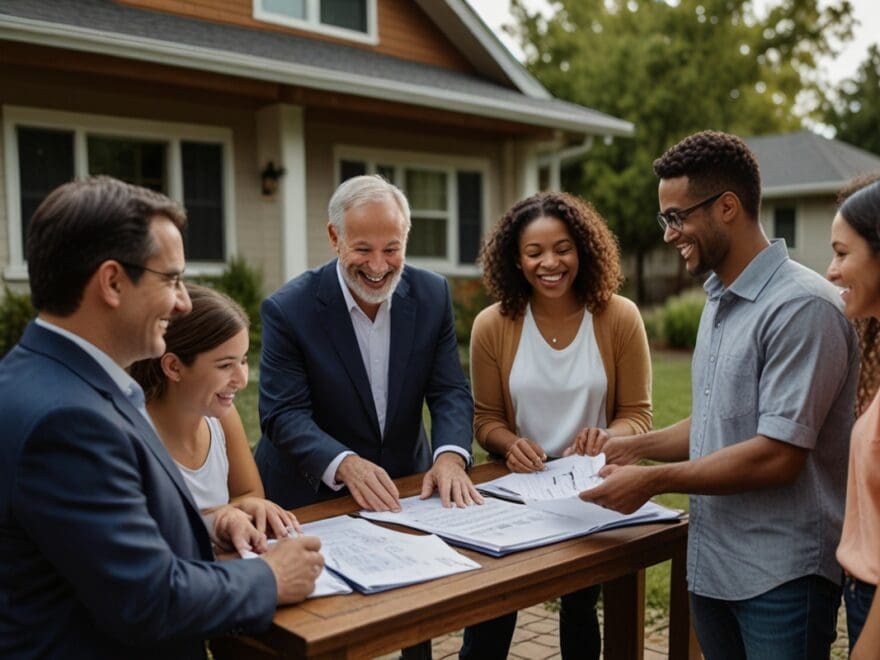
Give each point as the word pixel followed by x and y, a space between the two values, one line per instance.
pixel 240 375
pixel 182 302
pixel 832 274
pixel 670 233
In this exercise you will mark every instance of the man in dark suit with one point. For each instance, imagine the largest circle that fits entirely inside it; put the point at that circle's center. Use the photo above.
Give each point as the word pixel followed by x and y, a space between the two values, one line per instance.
pixel 103 553
pixel 351 350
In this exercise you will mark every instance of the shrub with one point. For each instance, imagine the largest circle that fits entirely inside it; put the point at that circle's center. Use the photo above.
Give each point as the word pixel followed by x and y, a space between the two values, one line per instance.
pixel 468 299
pixel 681 318
pixel 16 312
pixel 244 284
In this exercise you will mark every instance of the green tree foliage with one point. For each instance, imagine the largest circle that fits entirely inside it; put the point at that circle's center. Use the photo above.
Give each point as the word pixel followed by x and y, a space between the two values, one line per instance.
pixel 857 113
pixel 673 68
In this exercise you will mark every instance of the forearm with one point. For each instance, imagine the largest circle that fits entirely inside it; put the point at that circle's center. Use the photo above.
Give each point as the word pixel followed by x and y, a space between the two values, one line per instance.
pixel 868 645
pixel 498 441
pixel 749 465
pixel 667 445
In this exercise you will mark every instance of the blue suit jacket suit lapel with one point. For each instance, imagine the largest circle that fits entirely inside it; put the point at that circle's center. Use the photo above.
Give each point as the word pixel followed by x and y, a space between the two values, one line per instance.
pixel 59 348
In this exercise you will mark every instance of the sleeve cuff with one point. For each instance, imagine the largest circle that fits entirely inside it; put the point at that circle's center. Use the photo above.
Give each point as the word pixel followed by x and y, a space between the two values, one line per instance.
pixel 329 476
pixel 785 430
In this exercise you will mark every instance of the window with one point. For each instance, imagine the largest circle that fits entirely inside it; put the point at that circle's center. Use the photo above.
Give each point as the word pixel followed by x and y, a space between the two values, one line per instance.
pixel 446 204
pixel 784 223
pixel 348 19
pixel 187 163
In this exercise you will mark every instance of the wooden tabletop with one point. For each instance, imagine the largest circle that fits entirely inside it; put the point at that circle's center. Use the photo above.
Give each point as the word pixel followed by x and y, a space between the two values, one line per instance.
pixel 356 625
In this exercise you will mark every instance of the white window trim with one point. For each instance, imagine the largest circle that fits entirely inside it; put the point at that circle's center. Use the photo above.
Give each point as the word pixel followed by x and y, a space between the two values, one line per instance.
pixel 420 160
pixel 312 22
pixel 88 124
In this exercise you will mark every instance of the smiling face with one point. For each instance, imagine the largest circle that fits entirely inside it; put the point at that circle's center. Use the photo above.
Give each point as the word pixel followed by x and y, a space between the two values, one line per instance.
pixel 856 269
pixel 372 251
pixel 700 242
pixel 213 378
pixel 548 257
pixel 154 299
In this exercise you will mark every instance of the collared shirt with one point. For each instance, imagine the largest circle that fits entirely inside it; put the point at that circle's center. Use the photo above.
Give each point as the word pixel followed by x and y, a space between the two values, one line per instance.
pixel 126 384
pixel 374 343
pixel 774 357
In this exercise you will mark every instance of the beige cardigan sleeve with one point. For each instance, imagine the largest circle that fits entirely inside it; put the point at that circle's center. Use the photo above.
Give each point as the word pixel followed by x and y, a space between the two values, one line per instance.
pixel 623 345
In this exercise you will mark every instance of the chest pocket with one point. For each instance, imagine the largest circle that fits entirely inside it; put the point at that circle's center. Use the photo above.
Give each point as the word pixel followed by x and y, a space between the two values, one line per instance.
pixel 736 386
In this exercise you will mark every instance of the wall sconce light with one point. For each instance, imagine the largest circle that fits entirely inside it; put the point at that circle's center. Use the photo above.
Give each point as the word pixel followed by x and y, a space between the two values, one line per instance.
pixel 269 177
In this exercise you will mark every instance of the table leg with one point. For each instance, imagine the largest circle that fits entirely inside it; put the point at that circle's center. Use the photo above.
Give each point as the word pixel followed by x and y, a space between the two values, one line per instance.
pixel 683 643
pixel 624 607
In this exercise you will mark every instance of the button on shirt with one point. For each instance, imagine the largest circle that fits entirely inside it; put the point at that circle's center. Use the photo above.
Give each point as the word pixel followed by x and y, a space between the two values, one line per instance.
pixel 774 357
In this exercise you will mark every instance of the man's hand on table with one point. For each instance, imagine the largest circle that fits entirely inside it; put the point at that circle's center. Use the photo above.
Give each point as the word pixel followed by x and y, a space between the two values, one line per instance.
pixel 369 484
pixel 448 476
pixel 296 564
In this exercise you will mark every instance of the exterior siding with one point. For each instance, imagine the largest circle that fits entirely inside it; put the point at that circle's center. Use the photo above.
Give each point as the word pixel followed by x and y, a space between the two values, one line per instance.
pixel 404 29
pixel 813 216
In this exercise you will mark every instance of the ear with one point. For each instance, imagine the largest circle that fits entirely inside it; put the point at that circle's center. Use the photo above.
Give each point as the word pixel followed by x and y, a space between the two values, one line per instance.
pixel 171 366
pixel 109 280
pixel 729 206
pixel 334 237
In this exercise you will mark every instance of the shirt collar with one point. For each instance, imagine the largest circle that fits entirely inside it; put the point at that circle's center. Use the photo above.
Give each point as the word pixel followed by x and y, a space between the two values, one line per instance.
pixel 350 302
pixel 755 275
pixel 124 382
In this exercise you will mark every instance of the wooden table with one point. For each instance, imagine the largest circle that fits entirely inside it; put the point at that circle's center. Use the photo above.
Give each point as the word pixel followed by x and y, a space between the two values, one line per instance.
pixel 358 626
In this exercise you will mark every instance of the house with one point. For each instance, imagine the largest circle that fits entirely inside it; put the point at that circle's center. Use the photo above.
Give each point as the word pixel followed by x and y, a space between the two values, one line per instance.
pixel 801 174
pixel 252 111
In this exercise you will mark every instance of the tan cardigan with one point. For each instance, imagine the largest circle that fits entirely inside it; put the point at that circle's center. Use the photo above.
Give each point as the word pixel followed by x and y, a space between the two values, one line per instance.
pixel 623 345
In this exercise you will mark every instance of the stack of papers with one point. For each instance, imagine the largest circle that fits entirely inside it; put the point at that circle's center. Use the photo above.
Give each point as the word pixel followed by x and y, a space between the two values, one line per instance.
pixel 498 527
pixel 563 477
pixel 372 559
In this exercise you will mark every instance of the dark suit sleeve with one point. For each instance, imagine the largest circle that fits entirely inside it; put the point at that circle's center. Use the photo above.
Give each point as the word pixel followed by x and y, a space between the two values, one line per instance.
pixel 285 398
pixel 80 494
pixel 448 394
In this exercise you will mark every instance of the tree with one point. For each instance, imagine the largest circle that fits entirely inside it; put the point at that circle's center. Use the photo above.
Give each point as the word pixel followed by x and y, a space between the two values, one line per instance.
pixel 856 115
pixel 673 69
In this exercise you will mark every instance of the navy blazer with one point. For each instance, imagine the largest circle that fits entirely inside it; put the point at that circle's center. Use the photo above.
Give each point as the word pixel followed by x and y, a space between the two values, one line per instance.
pixel 315 398
pixel 103 553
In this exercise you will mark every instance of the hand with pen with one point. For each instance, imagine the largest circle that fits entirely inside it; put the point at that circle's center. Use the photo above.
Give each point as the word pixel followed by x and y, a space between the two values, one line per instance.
pixel 524 455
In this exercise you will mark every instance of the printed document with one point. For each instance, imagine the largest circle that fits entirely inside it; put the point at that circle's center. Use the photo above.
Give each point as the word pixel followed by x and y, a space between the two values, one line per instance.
pixel 561 477
pixel 372 558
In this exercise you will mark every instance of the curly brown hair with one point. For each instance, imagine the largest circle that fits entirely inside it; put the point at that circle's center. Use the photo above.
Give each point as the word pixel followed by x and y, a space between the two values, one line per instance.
pixel 715 162
pixel 598 276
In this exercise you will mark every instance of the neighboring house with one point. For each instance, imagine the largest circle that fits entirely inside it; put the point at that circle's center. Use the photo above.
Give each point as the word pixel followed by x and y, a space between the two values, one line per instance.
pixel 206 100
pixel 801 174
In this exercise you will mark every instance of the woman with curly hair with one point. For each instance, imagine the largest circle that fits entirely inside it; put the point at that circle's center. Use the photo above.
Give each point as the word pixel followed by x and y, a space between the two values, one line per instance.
pixel 559 361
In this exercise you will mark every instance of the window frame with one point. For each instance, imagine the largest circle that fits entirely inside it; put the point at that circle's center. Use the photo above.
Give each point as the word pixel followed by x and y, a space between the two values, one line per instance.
pixel 788 207
pixel 312 22
pixel 451 165
pixel 82 125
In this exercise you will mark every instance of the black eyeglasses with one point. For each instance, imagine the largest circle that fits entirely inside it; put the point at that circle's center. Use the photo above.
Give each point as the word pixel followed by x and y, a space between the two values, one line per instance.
pixel 675 219
pixel 173 278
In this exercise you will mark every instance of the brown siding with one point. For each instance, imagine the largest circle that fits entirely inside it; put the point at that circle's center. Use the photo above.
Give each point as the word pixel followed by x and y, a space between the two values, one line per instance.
pixel 405 31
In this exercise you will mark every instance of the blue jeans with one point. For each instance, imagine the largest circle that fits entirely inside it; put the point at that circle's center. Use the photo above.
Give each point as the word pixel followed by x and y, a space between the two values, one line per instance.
pixel 795 621
pixel 857 596
pixel 578 631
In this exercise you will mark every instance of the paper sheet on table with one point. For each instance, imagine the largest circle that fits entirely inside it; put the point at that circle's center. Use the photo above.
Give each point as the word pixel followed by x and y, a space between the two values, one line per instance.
pixel 499 527
pixel 326 583
pixel 562 477
pixel 373 558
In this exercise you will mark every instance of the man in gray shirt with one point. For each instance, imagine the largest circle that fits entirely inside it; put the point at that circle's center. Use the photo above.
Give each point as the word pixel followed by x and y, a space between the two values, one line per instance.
pixel 764 452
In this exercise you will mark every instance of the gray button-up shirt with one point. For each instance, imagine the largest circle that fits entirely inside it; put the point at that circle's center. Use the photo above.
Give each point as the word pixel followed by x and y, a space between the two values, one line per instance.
pixel 774 357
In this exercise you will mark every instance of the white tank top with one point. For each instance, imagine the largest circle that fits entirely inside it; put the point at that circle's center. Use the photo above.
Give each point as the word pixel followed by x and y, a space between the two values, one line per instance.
pixel 556 393
pixel 209 483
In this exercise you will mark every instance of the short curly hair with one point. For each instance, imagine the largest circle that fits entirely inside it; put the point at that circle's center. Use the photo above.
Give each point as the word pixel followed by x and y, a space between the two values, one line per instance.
pixel 599 275
pixel 715 162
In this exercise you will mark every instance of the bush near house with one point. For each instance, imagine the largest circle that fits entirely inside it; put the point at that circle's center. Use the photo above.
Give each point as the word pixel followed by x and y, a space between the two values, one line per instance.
pixel 16 312
pixel 469 298
pixel 244 284
pixel 675 323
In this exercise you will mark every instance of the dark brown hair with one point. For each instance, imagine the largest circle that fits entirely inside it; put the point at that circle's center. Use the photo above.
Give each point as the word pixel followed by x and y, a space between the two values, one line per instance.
pixel 715 162
pixel 82 224
pixel 214 319
pixel 598 276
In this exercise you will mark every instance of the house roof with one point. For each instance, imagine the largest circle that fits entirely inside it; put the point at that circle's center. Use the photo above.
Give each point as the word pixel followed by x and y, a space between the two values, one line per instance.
pixel 805 163
pixel 105 27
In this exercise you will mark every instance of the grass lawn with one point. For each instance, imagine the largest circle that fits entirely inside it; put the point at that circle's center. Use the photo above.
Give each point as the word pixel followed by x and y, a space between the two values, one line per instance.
pixel 672 402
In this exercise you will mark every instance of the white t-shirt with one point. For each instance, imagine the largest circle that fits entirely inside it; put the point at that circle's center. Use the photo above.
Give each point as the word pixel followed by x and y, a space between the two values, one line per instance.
pixel 556 393
pixel 209 482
